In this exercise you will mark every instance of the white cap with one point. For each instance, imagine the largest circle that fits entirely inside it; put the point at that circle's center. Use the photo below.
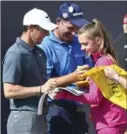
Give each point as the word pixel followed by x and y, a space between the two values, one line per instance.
pixel 38 17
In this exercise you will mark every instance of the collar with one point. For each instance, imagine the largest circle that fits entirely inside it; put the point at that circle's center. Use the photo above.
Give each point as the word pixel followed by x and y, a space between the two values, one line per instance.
pixel 96 56
pixel 24 44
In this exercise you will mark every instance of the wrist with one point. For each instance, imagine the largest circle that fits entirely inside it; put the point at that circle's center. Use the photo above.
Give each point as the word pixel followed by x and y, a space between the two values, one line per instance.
pixel 40 91
pixel 36 90
pixel 74 76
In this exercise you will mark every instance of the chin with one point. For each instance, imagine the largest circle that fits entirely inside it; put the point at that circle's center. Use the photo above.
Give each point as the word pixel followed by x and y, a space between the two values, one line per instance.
pixel 68 40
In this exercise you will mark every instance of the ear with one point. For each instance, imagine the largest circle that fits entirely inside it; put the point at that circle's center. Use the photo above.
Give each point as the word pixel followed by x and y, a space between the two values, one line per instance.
pixel 58 21
pixel 98 40
pixel 30 27
pixel 100 43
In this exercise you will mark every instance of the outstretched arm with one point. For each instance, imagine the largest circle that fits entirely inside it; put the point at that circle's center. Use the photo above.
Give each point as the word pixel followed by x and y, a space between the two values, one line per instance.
pixel 94 96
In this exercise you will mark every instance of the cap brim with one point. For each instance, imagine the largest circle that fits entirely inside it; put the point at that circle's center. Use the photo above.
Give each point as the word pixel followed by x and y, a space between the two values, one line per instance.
pixel 80 22
pixel 49 26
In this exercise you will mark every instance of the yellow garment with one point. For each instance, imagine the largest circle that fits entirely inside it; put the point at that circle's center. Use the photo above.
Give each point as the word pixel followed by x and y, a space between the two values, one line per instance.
pixel 110 89
pixel 83 84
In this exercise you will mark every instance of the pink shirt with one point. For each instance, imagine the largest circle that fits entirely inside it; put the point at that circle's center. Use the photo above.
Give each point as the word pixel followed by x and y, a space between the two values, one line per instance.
pixel 104 113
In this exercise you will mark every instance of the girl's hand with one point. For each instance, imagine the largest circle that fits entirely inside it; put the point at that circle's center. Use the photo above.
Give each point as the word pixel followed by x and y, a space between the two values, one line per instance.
pixel 110 73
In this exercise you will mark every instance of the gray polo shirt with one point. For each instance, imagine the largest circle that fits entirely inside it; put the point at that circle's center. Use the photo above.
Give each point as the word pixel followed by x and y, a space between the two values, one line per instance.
pixel 25 66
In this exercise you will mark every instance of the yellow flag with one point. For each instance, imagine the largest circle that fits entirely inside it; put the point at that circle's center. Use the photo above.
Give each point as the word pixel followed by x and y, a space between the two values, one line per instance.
pixel 111 90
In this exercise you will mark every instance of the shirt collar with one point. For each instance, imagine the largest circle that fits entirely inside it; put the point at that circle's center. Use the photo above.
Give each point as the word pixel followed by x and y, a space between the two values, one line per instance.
pixel 24 44
pixel 54 38
pixel 96 56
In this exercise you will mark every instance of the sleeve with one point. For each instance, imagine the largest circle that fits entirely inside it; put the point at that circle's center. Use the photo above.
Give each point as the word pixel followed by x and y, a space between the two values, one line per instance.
pixel 94 97
pixel 49 62
pixel 104 61
pixel 12 70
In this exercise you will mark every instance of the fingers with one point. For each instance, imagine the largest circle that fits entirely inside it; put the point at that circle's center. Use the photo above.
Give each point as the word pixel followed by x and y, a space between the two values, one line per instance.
pixel 52 83
pixel 49 86
pixel 53 94
pixel 110 73
pixel 82 69
pixel 87 78
pixel 107 71
pixel 81 72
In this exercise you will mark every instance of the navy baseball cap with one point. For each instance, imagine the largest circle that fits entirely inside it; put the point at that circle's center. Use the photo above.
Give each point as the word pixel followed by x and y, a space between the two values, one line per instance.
pixel 73 13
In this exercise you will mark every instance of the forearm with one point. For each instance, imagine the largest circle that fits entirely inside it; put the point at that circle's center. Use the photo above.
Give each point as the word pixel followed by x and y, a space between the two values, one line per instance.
pixel 67 79
pixel 20 92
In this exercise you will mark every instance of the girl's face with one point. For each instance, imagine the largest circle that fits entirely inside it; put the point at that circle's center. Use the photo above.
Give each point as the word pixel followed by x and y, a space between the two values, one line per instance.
pixel 89 45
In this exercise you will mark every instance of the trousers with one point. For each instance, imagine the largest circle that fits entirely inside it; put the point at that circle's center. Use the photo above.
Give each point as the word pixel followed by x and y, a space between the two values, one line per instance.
pixel 25 122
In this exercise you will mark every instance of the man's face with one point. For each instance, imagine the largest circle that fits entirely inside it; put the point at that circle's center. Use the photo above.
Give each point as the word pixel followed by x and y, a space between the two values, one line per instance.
pixel 37 34
pixel 66 30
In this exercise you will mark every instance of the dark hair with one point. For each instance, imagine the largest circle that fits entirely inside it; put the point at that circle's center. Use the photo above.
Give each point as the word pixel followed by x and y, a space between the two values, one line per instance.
pixel 25 28
pixel 97 29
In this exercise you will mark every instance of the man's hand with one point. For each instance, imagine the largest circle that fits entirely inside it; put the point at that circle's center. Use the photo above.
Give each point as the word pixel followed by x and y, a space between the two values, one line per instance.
pixel 48 86
pixel 81 70
pixel 53 93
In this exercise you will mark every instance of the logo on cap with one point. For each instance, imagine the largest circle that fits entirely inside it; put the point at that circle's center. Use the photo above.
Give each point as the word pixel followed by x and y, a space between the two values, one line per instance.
pixel 65 15
pixel 70 9
pixel 78 14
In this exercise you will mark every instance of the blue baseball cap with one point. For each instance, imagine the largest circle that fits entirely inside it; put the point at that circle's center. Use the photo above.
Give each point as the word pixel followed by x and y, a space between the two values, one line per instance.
pixel 73 13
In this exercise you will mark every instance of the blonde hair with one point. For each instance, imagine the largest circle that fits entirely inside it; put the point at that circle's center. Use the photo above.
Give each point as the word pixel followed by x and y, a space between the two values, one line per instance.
pixel 97 29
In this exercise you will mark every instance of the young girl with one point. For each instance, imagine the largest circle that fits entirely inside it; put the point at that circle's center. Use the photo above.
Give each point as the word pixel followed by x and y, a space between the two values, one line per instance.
pixel 108 117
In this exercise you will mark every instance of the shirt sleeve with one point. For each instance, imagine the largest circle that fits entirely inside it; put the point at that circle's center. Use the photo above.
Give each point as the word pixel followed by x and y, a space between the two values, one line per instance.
pixel 12 70
pixel 49 62
pixel 104 61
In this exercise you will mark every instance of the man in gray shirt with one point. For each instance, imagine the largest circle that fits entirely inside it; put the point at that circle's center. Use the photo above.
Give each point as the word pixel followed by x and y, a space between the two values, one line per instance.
pixel 24 72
